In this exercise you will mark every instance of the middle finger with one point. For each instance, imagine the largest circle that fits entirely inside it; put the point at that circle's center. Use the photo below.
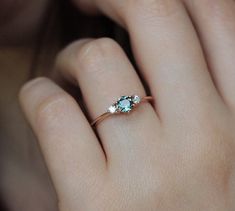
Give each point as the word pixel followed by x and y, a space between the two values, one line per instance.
pixel 169 54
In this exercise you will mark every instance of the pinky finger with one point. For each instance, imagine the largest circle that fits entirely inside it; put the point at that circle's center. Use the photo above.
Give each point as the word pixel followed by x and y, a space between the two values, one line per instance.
pixel 72 152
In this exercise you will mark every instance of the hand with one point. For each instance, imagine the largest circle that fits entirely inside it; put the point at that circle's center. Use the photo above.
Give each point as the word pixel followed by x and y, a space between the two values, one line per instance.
pixel 176 155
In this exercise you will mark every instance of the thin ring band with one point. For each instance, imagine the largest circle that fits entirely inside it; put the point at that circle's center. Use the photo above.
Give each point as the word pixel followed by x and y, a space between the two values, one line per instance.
pixel 124 104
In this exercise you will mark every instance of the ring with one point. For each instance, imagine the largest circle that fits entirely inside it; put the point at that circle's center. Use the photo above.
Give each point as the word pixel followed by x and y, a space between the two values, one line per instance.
pixel 125 104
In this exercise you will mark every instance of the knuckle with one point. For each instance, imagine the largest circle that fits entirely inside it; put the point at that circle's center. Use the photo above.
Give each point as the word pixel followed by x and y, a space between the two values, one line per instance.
pixel 154 8
pixel 51 109
pixel 210 150
pixel 213 154
pixel 92 54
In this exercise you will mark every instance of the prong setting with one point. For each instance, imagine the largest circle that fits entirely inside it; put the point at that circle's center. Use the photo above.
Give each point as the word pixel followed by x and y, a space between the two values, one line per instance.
pixel 124 104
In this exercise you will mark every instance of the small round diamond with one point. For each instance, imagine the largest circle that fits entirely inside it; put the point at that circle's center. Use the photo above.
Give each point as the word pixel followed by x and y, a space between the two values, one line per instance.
pixel 136 99
pixel 112 109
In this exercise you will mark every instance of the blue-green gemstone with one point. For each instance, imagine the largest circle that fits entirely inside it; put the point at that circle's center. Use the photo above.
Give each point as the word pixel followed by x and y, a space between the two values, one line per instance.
pixel 125 104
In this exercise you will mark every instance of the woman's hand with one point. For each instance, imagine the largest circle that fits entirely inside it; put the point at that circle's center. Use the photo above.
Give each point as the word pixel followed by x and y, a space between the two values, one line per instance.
pixel 179 154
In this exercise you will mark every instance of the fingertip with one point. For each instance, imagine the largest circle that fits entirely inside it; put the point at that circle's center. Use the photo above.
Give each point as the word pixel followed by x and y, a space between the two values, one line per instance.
pixel 27 88
pixel 29 85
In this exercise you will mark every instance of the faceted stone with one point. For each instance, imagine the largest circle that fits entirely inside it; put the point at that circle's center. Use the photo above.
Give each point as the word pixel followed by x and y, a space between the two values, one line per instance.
pixel 136 99
pixel 112 109
pixel 125 104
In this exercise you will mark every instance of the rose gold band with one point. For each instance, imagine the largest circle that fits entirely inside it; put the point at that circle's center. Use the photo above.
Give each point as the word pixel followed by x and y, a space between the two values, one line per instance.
pixel 107 114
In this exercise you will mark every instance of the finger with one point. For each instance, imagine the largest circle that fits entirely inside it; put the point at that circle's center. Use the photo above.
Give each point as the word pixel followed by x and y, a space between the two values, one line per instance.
pixel 215 22
pixel 87 6
pixel 104 74
pixel 169 54
pixel 90 7
pixel 72 152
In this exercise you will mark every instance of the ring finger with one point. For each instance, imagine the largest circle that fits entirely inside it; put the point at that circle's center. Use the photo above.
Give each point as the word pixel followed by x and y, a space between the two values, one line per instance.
pixel 104 73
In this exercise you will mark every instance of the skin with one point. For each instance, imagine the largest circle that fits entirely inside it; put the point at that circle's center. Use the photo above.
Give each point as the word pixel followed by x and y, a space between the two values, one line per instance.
pixel 24 181
pixel 177 154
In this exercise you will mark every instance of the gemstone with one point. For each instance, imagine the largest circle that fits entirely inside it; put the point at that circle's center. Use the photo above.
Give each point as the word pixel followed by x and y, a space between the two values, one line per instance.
pixel 136 99
pixel 112 109
pixel 125 104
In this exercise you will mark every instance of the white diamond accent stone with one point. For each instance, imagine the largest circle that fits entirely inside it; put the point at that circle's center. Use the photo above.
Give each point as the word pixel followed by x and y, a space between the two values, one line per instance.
pixel 136 99
pixel 112 109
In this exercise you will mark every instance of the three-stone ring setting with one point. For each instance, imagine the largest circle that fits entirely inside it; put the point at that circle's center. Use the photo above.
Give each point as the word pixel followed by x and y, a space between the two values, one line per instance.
pixel 125 104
